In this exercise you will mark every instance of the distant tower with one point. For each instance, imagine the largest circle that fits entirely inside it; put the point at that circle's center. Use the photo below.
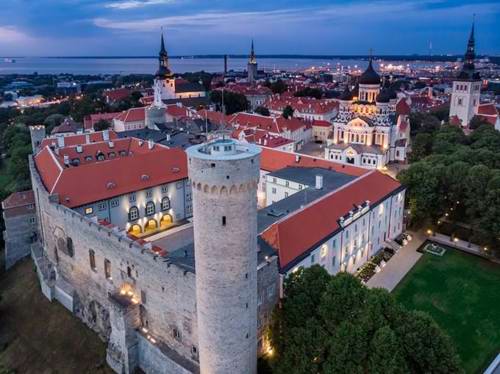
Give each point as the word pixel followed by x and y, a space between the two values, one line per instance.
pixel 252 66
pixel 37 135
pixel 164 82
pixel 466 90
pixel 224 174
pixel 225 65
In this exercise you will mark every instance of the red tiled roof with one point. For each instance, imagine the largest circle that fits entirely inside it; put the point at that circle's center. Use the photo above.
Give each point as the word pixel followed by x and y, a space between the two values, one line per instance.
pixel 403 108
pixel 320 218
pixel 272 124
pixel 321 123
pixel 272 160
pixel 454 120
pixel 90 120
pixel 132 115
pixel 302 104
pixel 78 139
pixel 19 199
pixel 488 109
pixel 93 181
pixel 175 110
pixel 117 94
pixel 246 89
pixel 490 119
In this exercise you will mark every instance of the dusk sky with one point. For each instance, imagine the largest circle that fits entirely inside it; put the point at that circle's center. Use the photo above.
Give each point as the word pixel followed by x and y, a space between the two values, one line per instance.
pixel 132 27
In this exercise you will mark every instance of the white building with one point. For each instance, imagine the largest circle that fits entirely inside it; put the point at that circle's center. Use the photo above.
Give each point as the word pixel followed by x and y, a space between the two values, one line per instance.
pixel 368 130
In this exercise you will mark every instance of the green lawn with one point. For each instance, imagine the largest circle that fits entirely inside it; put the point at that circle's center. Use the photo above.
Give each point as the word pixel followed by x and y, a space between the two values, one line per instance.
pixel 462 293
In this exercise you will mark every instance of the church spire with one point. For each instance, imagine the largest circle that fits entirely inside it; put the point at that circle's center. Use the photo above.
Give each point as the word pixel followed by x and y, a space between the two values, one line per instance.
pixel 252 59
pixel 163 68
pixel 470 54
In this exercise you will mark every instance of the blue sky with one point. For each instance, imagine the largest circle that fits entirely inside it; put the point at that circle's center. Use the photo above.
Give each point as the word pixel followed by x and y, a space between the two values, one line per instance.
pixel 132 27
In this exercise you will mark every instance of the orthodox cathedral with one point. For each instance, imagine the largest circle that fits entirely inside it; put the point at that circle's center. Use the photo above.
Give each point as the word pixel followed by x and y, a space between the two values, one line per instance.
pixel 371 128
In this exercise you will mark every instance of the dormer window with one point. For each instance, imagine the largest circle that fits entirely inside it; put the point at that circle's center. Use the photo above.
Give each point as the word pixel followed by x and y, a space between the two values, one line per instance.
pixel 88 158
pixel 100 157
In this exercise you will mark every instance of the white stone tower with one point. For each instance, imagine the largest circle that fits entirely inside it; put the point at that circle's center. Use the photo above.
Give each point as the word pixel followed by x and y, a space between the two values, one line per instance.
pixel 224 175
pixel 466 92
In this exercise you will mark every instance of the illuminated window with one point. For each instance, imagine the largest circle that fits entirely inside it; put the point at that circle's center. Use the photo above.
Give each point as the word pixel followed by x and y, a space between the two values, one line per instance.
pixel 89 210
pixel 165 203
pixel 133 213
pixel 324 250
pixel 150 208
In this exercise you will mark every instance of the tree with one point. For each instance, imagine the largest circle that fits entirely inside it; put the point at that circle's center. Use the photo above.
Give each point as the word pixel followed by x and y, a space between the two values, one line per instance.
pixel 233 102
pixel 334 324
pixel 477 122
pixel 421 147
pixel 277 87
pixel 263 111
pixel 309 92
pixel 288 112
pixel 102 125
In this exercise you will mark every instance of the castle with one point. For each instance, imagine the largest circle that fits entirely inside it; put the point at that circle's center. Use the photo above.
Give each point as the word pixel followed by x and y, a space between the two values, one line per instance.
pixel 164 254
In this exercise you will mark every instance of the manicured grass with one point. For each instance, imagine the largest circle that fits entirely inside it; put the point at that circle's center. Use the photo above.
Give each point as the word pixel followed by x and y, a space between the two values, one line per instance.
pixel 461 292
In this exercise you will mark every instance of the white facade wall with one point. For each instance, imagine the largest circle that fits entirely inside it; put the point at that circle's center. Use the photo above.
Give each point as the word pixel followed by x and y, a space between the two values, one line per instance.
pixel 348 249
pixel 278 189
pixel 465 100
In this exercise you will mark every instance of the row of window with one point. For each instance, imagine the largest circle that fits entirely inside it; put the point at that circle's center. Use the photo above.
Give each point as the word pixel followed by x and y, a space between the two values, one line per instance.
pixel 149 210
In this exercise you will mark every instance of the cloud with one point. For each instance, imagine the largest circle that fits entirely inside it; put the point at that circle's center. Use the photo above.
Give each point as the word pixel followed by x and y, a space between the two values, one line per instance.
pixel 132 4
pixel 11 35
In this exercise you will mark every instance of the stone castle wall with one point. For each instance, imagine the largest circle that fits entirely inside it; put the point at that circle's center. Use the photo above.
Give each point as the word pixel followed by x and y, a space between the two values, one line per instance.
pixel 165 293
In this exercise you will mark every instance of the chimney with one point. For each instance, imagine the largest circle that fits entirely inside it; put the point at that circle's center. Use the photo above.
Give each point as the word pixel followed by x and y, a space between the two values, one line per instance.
pixel 111 144
pixel 66 160
pixel 79 149
pixel 87 139
pixel 151 144
pixel 297 158
pixel 105 135
pixel 319 182
pixel 60 141
pixel 168 137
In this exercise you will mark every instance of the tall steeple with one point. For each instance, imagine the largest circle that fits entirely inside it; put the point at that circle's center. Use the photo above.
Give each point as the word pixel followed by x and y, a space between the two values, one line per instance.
pixel 252 58
pixel 163 68
pixel 470 53
pixel 468 68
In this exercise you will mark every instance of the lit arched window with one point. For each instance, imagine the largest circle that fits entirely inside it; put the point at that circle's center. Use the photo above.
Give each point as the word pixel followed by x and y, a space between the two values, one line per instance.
pixel 150 208
pixel 165 203
pixel 133 213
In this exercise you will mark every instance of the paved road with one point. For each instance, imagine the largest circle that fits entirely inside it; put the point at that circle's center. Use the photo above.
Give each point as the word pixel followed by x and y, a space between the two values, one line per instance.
pixel 399 264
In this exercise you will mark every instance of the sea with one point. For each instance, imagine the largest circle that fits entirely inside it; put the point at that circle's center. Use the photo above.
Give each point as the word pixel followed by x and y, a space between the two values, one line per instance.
pixel 147 65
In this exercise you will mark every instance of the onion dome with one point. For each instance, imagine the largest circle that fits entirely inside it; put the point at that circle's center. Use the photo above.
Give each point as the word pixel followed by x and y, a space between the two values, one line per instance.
pixel 370 76
pixel 384 96
pixel 346 95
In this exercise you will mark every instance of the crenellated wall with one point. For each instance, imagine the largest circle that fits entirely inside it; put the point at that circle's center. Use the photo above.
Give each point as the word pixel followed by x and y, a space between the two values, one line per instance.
pixel 164 293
